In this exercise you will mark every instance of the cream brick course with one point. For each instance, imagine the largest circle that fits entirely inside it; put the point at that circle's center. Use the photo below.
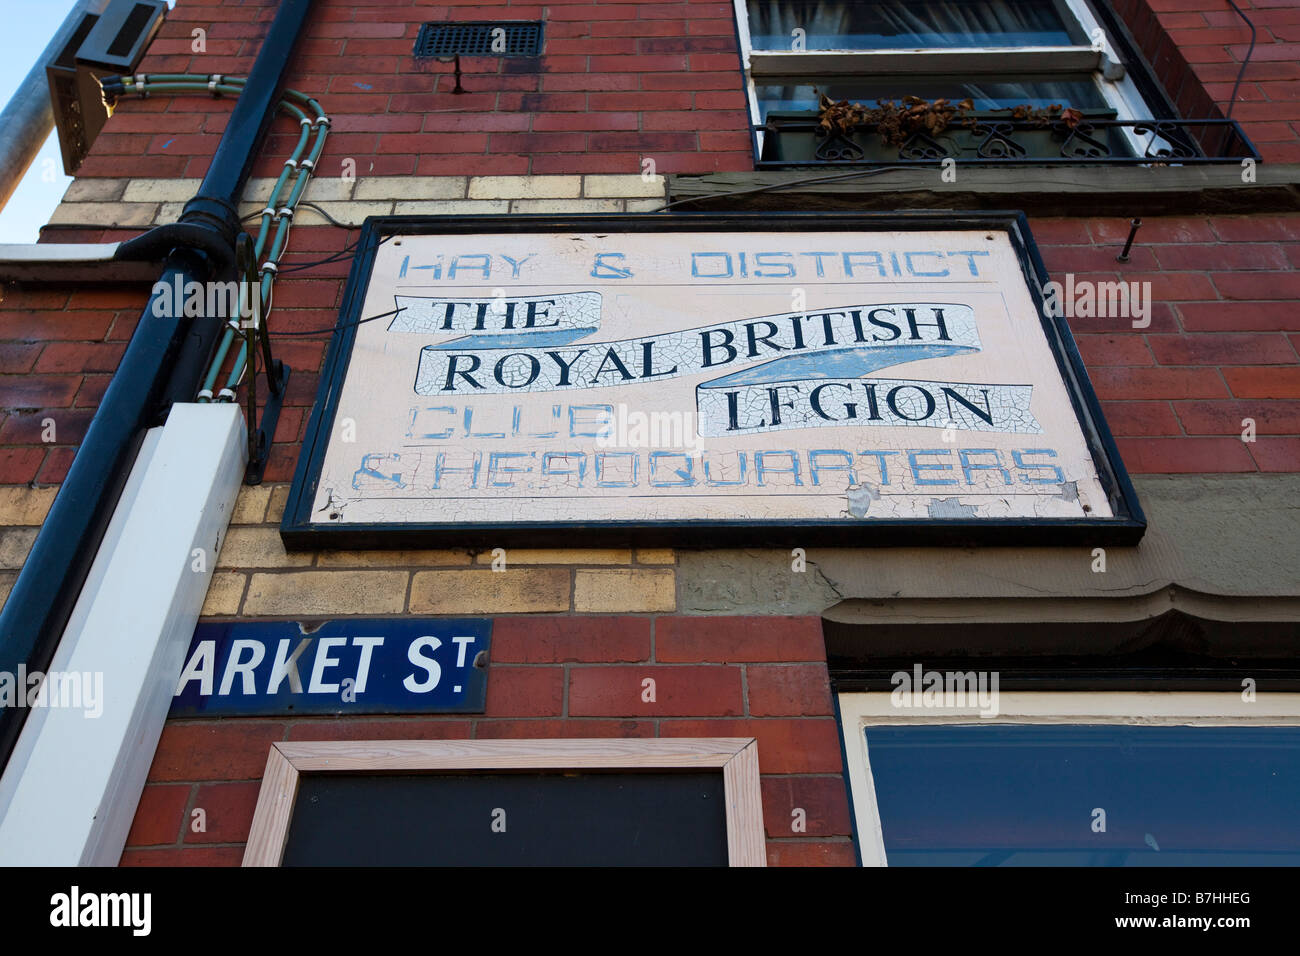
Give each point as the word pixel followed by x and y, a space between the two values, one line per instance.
pixel 600 185
pixel 452 207
pixel 258 190
pixel 161 190
pixel 514 591
pixel 568 556
pixel 410 187
pixel 106 213
pixel 223 595
pixel 644 205
pixel 656 556
pixel 326 189
pixel 350 212
pixel 638 589
pixel 90 189
pixel 392 559
pixel 14 545
pixel 250 506
pixel 20 505
pixel 563 206
pixel 525 187
pixel 319 189
pixel 279 498
pixel 258 548
pixel 326 592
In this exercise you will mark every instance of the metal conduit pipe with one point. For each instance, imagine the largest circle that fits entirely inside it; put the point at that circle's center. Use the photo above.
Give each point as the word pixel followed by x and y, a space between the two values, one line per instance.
pixel 28 117
pixel 164 362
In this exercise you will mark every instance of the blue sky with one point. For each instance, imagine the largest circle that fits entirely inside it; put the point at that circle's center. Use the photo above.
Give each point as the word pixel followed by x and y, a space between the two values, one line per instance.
pixel 29 25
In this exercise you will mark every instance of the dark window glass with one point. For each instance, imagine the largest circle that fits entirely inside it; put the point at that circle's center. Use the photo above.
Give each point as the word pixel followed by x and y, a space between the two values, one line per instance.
pixel 902 24
pixel 1025 795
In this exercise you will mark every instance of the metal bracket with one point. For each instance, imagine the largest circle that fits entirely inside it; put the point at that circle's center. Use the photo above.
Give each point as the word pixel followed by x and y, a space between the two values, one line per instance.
pixel 256 338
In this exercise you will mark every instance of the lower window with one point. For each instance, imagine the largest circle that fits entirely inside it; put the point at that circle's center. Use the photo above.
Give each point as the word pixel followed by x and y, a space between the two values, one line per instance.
pixel 1075 779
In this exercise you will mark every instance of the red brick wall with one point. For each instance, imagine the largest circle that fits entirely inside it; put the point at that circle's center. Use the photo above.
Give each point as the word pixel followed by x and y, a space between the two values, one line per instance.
pixel 1197 47
pixel 1221 347
pixel 618 81
pixel 557 677
pixel 56 359
pixel 621 81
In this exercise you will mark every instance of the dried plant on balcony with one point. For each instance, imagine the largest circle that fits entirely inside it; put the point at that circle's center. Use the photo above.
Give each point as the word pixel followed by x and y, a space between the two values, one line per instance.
pixel 895 122
pixel 1048 114
pixel 898 122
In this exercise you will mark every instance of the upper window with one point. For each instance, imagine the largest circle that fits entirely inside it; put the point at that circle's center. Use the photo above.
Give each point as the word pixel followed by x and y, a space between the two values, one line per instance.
pixel 901 24
pixel 1003 79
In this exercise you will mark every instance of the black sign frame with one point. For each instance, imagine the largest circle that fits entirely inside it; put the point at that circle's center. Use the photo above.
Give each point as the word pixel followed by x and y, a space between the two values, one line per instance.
pixel 301 530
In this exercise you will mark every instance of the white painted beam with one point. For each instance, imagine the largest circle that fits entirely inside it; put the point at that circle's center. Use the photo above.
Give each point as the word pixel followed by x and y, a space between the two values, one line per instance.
pixel 71 262
pixel 69 794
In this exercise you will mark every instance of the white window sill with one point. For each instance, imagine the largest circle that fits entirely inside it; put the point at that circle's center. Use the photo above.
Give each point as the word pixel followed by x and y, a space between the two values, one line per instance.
pixel 972 60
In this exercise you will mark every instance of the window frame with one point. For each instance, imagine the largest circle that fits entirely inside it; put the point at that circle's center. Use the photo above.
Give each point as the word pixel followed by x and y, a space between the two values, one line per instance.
pixel 1119 90
pixel 860 710
pixel 736 758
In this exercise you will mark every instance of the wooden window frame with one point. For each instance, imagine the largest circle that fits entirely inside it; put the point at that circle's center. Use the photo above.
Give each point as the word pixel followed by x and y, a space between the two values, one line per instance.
pixel 736 757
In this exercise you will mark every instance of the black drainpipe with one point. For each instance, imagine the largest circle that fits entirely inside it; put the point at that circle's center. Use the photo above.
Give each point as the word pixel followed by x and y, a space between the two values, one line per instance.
pixel 163 363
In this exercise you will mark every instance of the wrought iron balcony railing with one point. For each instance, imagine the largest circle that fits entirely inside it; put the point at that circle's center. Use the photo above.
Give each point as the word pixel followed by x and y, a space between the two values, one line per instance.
pixel 801 141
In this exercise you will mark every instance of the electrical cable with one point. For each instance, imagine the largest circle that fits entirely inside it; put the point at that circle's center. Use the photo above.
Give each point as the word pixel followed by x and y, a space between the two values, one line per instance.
pixel 344 253
pixel 330 219
pixel 278 212
pixel 786 185
pixel 1244 63
pixel 342 325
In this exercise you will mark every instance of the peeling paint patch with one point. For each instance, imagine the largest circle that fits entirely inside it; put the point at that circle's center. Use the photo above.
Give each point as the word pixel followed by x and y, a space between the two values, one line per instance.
pixel 952 508
pixel 860 498
pixel 1069 491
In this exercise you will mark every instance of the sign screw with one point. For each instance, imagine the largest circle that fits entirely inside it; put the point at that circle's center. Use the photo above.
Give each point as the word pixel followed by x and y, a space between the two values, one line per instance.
pixel 1134 225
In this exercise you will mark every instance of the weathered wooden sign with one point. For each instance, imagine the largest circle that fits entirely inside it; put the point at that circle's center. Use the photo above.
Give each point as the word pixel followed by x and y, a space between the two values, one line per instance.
pixel 704 380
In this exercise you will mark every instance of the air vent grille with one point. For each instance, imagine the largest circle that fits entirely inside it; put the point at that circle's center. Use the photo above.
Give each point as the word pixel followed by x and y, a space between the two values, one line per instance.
pixel 485 38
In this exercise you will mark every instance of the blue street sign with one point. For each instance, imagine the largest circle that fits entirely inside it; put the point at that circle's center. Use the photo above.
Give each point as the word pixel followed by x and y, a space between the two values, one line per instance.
pixel 380 666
